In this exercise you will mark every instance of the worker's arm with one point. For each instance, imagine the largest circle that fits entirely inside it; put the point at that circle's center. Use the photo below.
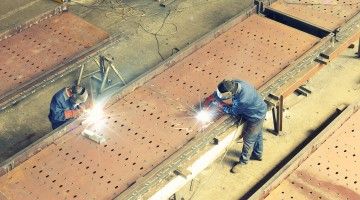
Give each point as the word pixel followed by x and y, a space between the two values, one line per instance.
pixel 213 99
pixel 59 113
pixel 231 109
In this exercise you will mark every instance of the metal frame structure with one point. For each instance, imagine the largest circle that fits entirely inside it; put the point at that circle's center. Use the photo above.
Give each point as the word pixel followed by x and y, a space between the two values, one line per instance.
pixel 279 86
pixel 105 65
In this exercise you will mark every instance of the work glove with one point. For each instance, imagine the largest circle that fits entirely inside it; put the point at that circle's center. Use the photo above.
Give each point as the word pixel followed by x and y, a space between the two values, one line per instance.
pixel 212 100
pixel 69 114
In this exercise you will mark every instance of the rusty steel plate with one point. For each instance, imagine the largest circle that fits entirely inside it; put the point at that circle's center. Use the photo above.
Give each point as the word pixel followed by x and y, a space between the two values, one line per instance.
pixel 331 172
pixel 40 48
pixel 325 15
pixel 151 123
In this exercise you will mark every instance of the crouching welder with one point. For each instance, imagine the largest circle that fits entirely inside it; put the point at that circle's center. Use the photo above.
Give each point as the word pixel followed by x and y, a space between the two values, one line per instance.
pixel 247 105
pixel 66 104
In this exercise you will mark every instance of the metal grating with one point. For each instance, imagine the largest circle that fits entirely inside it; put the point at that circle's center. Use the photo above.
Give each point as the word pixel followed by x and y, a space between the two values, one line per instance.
pixel 154 121
pixel 326 14
pixel 40 48
pixel 331 172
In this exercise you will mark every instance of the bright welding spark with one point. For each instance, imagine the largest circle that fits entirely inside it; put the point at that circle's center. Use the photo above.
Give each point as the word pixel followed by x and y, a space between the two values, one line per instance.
pixel 204 116
pixel 95 117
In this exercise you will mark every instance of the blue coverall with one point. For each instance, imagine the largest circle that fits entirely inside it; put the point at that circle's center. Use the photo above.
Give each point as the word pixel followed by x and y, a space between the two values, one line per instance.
pixel 59 103
pixel 249 106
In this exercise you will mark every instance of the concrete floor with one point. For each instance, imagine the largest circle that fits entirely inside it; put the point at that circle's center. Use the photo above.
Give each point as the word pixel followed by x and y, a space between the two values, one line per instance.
pixel 137 52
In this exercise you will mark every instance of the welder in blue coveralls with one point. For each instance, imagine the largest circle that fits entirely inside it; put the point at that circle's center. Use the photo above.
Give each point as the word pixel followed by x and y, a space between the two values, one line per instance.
pixel 67 104
pixel 248 106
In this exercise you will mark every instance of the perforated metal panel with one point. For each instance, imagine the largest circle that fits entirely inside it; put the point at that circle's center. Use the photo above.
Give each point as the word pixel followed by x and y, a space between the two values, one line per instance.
pixel 331 172
pixel 154 121
pixel 39 49
pixel 325 14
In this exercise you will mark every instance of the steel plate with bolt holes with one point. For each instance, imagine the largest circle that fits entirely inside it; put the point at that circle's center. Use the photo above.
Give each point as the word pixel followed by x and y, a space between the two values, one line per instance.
pixel 331 172
pixel 148 125
pixel 326 14
pixel 42 47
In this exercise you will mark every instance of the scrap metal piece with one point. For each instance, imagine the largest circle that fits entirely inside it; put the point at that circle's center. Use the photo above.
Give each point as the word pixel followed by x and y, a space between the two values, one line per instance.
pixel 42 48
pixel 331 172
pixel 93 136
pixel 327 16
pixel 148 125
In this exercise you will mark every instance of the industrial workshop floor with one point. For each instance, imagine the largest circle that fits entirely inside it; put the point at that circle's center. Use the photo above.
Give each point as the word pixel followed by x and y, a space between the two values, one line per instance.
pixel 177 25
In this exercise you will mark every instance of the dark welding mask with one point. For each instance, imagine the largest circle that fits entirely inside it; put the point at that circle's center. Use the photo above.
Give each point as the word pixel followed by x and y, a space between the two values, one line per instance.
pixel 79 96
pixel 227 89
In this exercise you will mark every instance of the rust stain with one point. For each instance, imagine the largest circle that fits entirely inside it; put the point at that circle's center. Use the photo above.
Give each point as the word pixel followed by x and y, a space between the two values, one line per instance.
pixel 326 186
pixel 40 48
pixel 148 125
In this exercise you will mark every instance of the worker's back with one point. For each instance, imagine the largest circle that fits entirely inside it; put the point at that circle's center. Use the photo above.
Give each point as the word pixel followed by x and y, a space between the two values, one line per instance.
pixel 248 103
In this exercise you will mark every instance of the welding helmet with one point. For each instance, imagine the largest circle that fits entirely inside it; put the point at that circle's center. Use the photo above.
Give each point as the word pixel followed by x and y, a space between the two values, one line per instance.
pixel 80 95
pixel 227 89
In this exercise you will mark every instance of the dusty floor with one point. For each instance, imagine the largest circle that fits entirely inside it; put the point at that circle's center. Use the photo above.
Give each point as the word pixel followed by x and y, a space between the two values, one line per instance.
pixel 137 51
pixel 335 85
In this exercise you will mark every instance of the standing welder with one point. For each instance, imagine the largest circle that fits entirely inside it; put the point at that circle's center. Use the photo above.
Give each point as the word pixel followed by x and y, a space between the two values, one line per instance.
pixel 66 104
pixel 247 105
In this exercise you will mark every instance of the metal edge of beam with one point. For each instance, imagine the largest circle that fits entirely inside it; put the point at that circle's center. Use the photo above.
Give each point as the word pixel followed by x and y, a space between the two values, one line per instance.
pixel 27 24
pixel 346 34
pixel 46 140
pixel 301 156
pixel 300 71
pixel 295 22
pixel 292 74
pixel 194 166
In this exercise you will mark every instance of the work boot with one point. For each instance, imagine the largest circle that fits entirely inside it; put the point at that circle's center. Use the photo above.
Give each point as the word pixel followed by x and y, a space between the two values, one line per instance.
pixel 237 167
pixel 252 157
